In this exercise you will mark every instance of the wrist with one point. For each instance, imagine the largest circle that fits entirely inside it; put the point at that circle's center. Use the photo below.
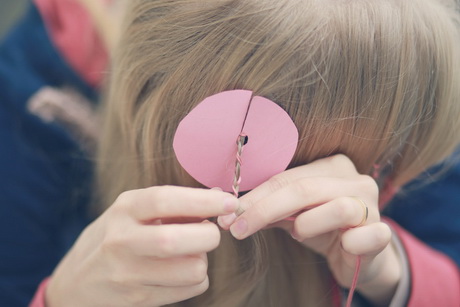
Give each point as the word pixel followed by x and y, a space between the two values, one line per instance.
pixel 57 291
pixel 50 297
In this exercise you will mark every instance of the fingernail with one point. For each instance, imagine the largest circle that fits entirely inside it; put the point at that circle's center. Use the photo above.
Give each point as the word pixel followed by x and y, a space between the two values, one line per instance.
pixel 217 189
pixel 239 228
pixel 295 236
pixel 227 220
pixel 230 204
pixel 220 223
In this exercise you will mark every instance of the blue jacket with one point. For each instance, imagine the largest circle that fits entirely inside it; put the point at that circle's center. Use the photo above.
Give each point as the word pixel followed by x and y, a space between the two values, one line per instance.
pixel 431 211
pixel 44 176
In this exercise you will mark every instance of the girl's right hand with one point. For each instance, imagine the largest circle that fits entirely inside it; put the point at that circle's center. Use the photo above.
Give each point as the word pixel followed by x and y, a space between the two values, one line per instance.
pixel 148 249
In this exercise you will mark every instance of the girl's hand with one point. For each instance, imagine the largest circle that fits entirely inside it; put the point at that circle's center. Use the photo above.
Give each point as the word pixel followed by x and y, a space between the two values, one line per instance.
pixel 326 202
pixel 148 249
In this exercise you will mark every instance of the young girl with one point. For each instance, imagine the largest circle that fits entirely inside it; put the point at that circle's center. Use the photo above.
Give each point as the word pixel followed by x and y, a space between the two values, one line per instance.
pixel 371 88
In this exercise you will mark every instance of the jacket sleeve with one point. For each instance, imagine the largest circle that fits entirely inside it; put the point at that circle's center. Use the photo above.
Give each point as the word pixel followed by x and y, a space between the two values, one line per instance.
pixel 39 297
pixel 430 210
pixel 435 278
pixel 44 175
pixel 73 34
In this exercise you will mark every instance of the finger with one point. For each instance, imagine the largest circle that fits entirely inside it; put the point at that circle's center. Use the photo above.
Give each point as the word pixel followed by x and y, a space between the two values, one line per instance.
pixel 172 240
pixel 171 201
pixel 168 295
pixel 334 166
pixel 340 213
pixel 302 194
pixel 368 240
pixel 173 272
pixel 226 221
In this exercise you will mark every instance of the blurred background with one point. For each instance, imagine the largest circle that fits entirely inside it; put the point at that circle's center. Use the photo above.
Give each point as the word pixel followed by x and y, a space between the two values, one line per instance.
pixel 10 11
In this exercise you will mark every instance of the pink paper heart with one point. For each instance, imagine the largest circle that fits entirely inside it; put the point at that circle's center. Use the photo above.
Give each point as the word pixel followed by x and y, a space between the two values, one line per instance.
pixel 205 140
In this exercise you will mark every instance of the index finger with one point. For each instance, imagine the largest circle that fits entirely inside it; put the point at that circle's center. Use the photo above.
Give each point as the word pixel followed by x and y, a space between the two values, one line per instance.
pixel 172 201
pixel 337 166
pixel 303 195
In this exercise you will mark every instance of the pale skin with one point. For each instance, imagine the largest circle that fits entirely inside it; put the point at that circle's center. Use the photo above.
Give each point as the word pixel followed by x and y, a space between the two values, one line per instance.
pixel 323 198
pixel 150 247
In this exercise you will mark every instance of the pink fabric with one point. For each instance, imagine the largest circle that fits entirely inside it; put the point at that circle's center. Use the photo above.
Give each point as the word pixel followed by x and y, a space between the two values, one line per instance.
pixel 435 278
pixel 74 35
pixel 39 297
pixel 387 194
pixel 336 293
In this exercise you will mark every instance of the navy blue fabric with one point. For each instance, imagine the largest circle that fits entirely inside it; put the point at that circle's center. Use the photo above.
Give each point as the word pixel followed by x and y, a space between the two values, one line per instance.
pixel 432 212
pixel 44 176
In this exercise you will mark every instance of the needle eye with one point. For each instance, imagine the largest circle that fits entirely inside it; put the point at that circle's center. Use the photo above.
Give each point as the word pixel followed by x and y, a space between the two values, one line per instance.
pixel 246 139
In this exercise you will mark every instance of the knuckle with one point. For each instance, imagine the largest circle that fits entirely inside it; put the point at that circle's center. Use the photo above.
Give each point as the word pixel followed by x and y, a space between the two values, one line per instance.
pixel 119 279
pixel 276 183
pixel 302 187
pixel 201 288
pixel 198 272
pixel 113 242
pixel 123 201
pixel 165 244
pixel 367 183
pixel 341 161
pixel 158 195
pixel 345 209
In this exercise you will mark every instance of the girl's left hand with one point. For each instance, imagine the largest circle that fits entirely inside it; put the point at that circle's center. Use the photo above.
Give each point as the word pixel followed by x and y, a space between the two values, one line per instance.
pixel 327 202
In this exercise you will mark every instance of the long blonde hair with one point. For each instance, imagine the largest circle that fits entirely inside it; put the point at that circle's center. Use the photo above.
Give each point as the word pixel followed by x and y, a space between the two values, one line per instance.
pixel 377 80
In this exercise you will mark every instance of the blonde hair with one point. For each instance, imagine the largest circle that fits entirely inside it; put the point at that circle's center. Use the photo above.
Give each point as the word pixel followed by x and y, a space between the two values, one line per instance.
pixel 376 80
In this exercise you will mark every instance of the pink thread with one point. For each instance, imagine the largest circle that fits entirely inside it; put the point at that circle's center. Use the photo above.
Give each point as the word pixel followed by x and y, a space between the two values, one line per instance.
pixel 336 293
pixel 376 171
pixel 237 179
pixel 242 138
pixel 236 187
pixel 355 275
pixel 354 282
pixel 388 192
